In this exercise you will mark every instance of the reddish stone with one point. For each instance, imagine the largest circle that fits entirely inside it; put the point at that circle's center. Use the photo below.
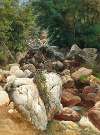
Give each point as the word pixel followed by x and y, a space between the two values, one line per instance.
pixel 94 115
pixel 68 114
pixel 68 99
pixel 71 90
pixel 88 89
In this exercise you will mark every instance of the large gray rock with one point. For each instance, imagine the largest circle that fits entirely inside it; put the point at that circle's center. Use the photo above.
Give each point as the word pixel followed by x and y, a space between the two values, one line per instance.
pixel 50 89
pixel 30 104
pixel 89 55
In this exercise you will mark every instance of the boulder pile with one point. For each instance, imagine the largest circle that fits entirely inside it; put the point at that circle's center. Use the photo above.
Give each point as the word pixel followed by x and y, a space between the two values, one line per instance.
pixel 51 95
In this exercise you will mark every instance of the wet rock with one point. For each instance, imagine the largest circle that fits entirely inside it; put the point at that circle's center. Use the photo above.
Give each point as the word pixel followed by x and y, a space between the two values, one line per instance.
pixel 82 72
pixel 27 99
pixel 63 128
pixel 68 114
pixel 50 89
pixel 94 115
pixel 68 99
pixel 4 98
pixel 30 67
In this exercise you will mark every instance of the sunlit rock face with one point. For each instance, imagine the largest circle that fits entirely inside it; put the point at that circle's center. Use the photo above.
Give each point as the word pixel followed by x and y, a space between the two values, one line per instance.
pixel 25 95
pixel 30 104
pixel 50 89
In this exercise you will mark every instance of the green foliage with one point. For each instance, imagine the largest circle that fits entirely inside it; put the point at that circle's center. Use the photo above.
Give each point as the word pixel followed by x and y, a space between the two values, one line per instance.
pixel 16 23
pixel 69 21
pixel 83 78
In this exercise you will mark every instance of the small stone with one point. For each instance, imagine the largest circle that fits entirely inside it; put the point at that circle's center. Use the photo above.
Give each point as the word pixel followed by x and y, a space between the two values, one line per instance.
pixel 68 82
pixel 10 111
pixel 68 114
pixel 88 89
pixel 4 98
pixel 30 67
pixel 68 99
pixel 82 72
pixel 58 65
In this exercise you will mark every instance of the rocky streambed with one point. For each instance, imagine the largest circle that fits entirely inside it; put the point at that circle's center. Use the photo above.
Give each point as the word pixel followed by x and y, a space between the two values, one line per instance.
pixel 49 98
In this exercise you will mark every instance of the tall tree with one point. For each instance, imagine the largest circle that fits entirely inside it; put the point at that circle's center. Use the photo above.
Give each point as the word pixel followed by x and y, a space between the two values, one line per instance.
pixel 70 21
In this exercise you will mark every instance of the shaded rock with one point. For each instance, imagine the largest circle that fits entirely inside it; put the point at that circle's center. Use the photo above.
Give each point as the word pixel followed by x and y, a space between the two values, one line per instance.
pixel 4 98
pixel 27 99
pixel 33 61
pixel 88 89
pixel 97 97
pixel 68 114
pixel 73 91
pixel 90 97
pixel 94 115
pixel 82 72
pixel 50 89
pixel 74 51
pixel 58 65
pixel 88 55
pixel 63 128
pixel 19 56
pixel 68 99
pixel 30 67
